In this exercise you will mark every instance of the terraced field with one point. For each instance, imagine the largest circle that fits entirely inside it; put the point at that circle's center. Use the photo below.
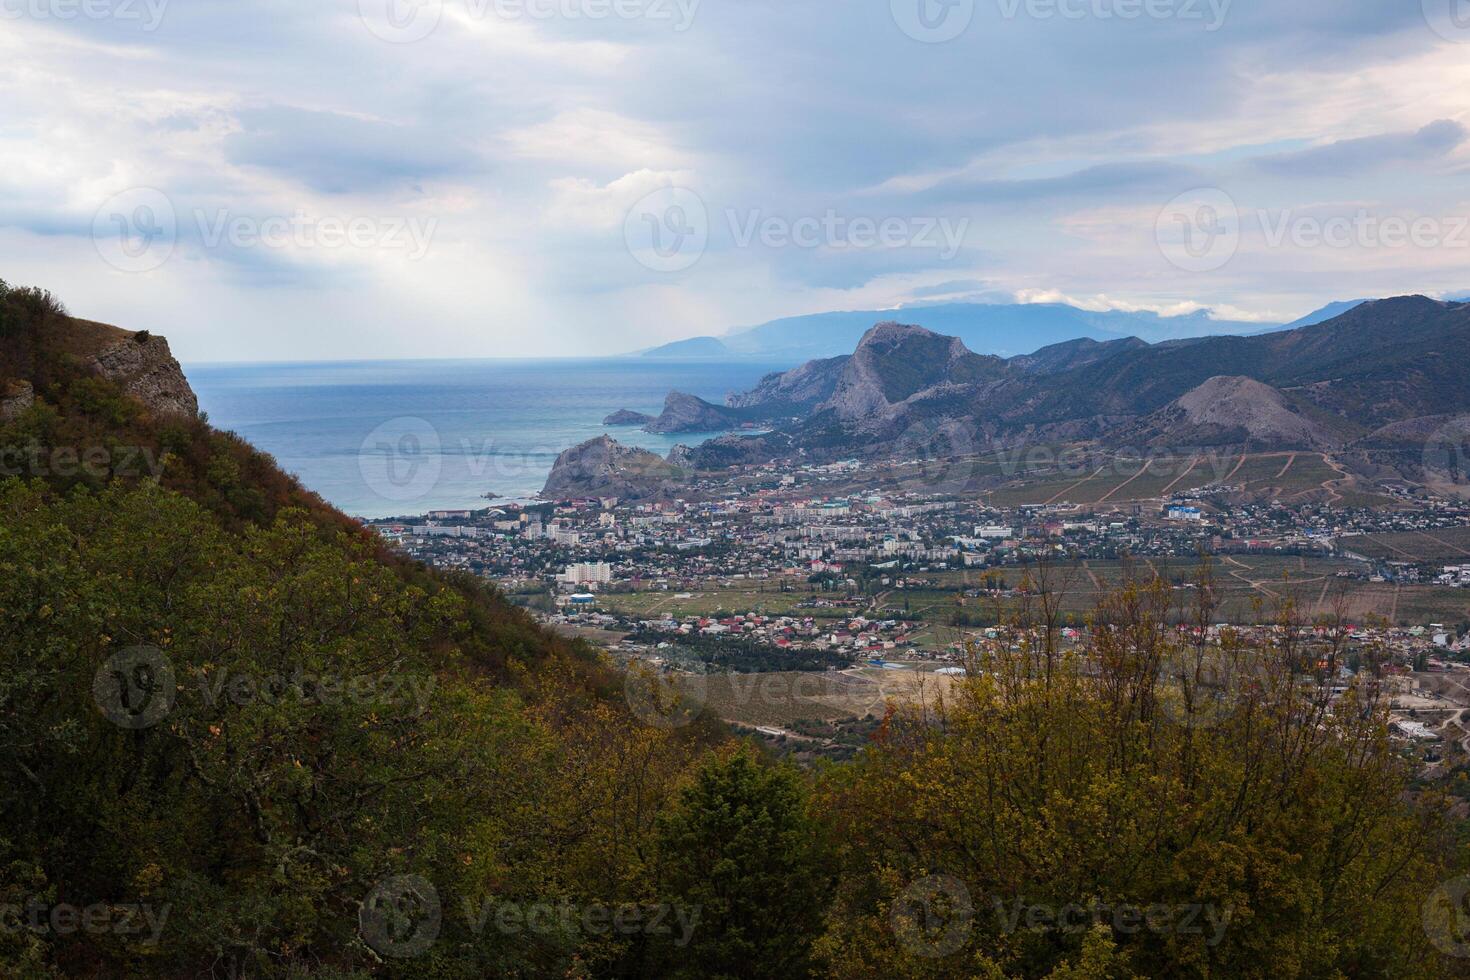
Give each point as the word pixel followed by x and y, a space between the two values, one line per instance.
pixel 1448 544
pixel 1285 476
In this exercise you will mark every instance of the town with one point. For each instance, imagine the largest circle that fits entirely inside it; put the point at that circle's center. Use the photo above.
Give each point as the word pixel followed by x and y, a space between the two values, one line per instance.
pixel 804 569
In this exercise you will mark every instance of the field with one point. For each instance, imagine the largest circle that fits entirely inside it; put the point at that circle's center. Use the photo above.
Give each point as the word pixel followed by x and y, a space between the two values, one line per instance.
pixel 755 597
pixel 1448 544
pixel 781 699
pixel 1289 477
pixel 1250 588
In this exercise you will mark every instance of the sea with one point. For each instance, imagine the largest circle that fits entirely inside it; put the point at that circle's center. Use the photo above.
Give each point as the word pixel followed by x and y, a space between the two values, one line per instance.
pixel 385 439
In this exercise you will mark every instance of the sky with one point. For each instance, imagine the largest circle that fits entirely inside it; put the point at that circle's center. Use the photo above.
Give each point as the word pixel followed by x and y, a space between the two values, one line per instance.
pixel 326 179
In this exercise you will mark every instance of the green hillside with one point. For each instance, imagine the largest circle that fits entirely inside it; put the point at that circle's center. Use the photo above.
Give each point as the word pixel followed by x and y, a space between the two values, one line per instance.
pixel 240 738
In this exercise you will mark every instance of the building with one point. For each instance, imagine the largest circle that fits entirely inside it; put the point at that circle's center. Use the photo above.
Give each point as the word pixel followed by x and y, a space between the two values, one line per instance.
pixel 587 573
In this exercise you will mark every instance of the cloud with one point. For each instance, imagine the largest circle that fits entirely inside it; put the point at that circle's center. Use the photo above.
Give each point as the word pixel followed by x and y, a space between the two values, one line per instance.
pixel 336 153
pixel 1368 153
pixel 529 139
pixel 586 139
pixel 1103 180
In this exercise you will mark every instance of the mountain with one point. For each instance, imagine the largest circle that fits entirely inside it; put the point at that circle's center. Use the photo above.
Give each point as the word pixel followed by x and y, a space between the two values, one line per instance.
pixel 1226 411
pixel 690 413
pixel 1321 315
pixel 1381 362
pixel 895 363
pixel 693 347
pixel 1003 329
pixel 604 467
pixel 795 390
pixel 1074 354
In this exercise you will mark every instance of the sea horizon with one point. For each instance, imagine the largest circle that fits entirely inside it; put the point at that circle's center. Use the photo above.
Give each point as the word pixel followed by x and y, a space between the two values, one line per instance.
pixel 391 437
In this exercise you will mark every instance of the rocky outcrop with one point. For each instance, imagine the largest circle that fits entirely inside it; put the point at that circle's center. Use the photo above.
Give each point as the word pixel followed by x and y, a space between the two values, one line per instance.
pixel 796 390
pixel 624 417
pixel 687 413
pixel 726 451
pixel 898 363
pixel 1236 411
pixel 15 398
pixel 604 467
pixel 143 366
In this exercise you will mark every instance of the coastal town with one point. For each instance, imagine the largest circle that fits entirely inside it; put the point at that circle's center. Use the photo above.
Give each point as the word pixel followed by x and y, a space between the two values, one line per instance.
pixel 800 569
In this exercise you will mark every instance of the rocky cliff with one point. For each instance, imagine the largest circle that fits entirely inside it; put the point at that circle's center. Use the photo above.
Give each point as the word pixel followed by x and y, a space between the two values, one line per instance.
pixel 688 413
pixel 796 390
pixel 15 397
pixel 604 467
pixel 900 373
pixel 145 368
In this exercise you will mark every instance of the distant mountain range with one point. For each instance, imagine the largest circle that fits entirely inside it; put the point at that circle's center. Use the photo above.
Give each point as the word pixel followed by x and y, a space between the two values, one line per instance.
pixel 1002 329
pixel 1377 382
pixel 1367 376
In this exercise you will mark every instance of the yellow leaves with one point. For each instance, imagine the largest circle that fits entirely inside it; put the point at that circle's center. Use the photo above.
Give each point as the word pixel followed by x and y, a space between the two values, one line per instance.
pixel 148 878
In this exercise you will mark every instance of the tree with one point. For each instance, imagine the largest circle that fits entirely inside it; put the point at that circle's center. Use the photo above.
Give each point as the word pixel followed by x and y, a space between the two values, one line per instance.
pixel 1021 827
pixel 742 849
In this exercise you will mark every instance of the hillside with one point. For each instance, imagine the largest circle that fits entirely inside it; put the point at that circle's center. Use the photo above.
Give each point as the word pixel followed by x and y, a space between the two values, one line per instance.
pixel 229 706
pixel 1323 385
